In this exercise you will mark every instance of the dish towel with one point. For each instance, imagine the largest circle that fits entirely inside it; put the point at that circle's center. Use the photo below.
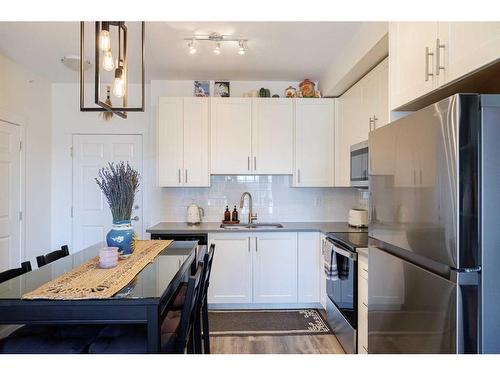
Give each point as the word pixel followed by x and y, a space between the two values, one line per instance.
pixel 343 267
pixel 330 265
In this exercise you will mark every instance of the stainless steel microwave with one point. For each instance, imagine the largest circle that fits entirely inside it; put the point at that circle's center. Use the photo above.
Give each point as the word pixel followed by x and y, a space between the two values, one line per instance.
pixel 359 164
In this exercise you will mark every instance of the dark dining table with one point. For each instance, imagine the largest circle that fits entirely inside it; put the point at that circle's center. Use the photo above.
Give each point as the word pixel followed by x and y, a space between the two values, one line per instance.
pixel 143 301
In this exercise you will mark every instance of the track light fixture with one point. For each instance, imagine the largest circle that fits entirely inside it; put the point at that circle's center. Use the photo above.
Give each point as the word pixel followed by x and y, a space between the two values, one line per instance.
pixel 217 39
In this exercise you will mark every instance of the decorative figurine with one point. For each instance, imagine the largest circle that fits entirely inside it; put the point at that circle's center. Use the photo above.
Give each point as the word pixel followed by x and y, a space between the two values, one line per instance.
pixel 307 88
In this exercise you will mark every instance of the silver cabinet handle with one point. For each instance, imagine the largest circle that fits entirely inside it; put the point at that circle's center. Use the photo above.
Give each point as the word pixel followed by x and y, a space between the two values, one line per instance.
pixel 256 244
pixel 248 163
pixel 439 67
pixel 255 163
pixel 248 244
pixel 186 176
pixel 375 118
pixel 179 175
pixel 370 122
pixel 298 176
pixel 180 263
pixel 428 53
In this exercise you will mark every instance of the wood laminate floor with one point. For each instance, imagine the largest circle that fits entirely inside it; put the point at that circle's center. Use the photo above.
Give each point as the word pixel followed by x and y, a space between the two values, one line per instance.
pixel 303 344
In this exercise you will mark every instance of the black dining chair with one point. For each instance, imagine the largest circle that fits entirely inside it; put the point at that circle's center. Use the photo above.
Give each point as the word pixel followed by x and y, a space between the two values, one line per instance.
pixel 14 272
pixel 201 325
pixel 176 330
pixel 42 260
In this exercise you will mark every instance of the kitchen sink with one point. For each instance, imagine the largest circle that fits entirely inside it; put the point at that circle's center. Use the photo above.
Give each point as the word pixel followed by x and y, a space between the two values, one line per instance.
pixel 251 226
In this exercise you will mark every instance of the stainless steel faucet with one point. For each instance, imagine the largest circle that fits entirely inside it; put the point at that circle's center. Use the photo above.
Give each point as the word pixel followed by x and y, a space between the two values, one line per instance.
pixel 251 216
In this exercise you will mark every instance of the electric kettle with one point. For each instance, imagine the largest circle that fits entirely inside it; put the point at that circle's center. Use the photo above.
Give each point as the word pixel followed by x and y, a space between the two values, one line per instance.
pixel 194 214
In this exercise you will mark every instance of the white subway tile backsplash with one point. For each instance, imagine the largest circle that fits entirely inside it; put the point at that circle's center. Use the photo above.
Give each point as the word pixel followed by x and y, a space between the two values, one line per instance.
pixel 273 200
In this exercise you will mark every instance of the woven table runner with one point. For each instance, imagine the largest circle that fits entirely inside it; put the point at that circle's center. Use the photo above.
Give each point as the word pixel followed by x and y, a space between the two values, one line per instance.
pixel 89 281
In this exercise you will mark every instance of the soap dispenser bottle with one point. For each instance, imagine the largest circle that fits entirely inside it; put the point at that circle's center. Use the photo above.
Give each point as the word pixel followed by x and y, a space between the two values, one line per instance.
pixel 235 214
pixel 227 214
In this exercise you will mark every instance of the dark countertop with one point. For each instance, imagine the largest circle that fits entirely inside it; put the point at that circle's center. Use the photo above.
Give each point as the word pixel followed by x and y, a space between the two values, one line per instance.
pixel 310 226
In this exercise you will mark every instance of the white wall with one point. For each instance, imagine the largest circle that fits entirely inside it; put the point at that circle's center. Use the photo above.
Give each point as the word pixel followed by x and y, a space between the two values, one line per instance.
pixel 363 51
pixel 27 96
pixel 169 204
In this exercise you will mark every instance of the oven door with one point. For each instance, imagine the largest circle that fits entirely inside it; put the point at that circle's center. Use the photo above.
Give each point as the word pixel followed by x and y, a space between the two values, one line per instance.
pixel 342 297
pixel 359 164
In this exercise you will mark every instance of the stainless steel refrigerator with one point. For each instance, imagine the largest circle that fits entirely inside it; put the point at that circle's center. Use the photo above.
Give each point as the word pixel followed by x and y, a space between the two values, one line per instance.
pixel 434 248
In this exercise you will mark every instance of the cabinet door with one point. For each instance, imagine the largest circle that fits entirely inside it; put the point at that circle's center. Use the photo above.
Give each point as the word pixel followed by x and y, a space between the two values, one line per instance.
pixel 231 277
pixel 408 62
pixel 322 289
pixel 314 142
pixel 381 110
pixel 309 266
pixel 231 135
pixel 351 127
pixel 272 136
pixel 467 46
pixel 196 141
pixel 170 141
pixel 275 268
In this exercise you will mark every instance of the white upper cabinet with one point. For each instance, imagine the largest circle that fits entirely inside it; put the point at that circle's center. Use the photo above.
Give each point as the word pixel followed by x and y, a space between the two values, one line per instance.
pixel 467 46
pixel 424 56
pixel 275 268
pixel 196 142
pixel 182 141
pixel 362 108
pixel 231 136
pixel 272 135
pixel 170 142
pixel 314 142
pixel 411 60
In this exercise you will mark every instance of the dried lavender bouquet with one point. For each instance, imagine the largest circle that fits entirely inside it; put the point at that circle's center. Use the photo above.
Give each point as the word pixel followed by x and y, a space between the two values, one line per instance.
pixel 119 183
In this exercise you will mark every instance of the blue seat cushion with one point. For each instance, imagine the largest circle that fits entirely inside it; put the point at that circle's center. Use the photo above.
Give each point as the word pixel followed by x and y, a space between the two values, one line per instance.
pixel 50 339
pixel 120 339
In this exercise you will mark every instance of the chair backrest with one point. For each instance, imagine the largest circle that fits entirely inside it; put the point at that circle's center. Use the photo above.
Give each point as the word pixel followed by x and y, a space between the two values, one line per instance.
pixel 14 272
pixel 194 288
pixel 42 260
pixel 208 260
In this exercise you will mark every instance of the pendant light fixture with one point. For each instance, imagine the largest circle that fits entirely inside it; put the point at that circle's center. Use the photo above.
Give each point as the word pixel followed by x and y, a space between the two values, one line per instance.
pixel 111 54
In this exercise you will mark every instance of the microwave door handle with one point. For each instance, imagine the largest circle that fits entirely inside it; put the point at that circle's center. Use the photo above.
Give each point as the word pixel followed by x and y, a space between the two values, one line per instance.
pixel 347 254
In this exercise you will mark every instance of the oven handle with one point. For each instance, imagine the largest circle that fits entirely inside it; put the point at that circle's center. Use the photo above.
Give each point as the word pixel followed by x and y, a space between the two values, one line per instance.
pixel 345 253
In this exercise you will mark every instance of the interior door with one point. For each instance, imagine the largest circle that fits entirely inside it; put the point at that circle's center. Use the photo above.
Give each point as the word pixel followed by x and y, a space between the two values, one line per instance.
pixel 91 214
pixel 10 196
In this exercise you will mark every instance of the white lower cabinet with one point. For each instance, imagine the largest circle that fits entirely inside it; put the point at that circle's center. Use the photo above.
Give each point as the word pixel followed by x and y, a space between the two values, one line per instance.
pixel 362 301
pixel 265 268
pixel 275 268
pixel 309 256
pixel 231 276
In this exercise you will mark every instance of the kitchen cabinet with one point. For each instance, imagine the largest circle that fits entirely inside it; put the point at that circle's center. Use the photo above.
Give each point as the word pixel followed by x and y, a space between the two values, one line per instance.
pixel 266 268
pixel 182 142
pixel 272 135
pixel 322 280
pixel 466 46
pixel 314 142
pixel 231 135
pixel 309 266
pixel 362 108
pixel 411 60
pixel 231 277
pixel 362 301
pixel 424 56
pixel 275 268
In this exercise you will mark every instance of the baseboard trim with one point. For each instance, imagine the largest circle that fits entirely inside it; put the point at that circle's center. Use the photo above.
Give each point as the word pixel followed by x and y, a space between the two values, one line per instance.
pixel 260 306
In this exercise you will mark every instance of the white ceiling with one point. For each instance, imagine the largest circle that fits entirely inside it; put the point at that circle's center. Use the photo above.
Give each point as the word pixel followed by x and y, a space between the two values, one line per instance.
pixel 276 50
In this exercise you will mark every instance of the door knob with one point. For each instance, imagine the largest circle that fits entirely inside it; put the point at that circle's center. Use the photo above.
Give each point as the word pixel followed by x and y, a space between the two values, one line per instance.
pixel 135 218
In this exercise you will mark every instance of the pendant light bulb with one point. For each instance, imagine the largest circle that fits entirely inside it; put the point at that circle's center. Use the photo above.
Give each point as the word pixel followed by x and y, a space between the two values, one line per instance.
pixel 241 50
pixel 107 61
pixel 192 47
pixel 104 38
pixel 217 49
pixel 119 83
